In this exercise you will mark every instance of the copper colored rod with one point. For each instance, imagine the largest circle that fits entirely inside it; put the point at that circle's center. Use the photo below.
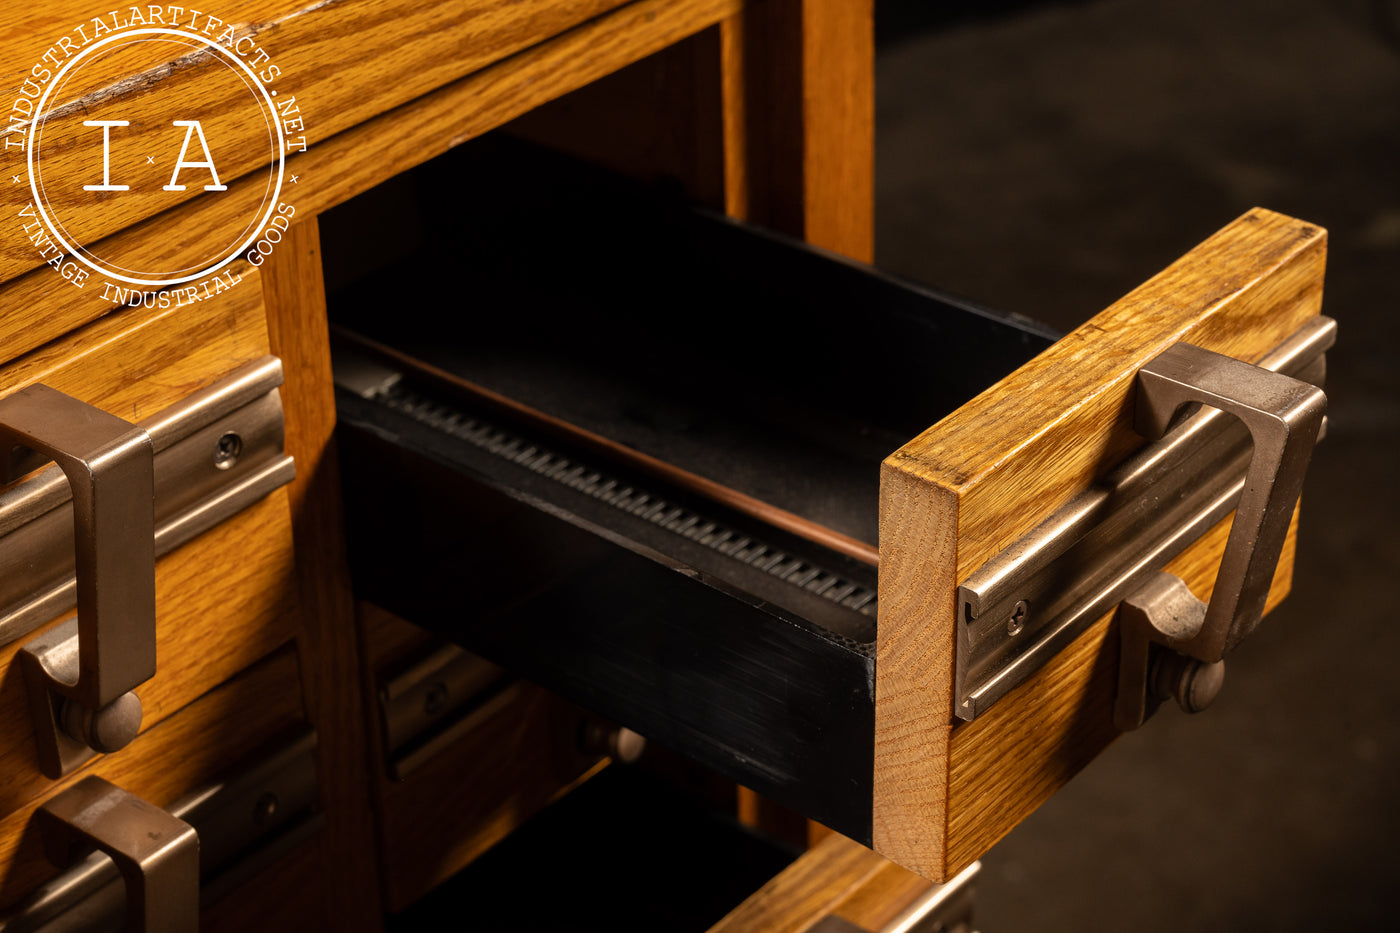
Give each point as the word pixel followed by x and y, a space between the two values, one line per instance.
pixel 669 472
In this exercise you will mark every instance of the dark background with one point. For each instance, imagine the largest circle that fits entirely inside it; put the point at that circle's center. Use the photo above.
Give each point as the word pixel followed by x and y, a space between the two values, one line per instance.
pixel 1045 158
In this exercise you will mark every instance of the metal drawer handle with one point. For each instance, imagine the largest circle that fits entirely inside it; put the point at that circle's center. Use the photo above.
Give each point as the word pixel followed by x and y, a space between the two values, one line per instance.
pixel 80 673
pixel 246 821
pixel 156 853
pixel 1284 416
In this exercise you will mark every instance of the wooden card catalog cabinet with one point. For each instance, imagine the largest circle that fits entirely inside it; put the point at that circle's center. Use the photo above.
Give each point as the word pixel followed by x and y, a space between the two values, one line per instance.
pixel 675 469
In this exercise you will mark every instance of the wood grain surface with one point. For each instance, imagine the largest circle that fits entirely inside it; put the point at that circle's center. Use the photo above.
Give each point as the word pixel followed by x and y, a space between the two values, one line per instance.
pixel 882 897
pixel 294 293
pixel 139 360
pixel 837 876
pixel 344 62
pixel 184 753
pixel 1010 760
pixel 798 92
pixel 281 898
pixel 224 599
pixel 657 120
pixel 354 160
pixel 997 467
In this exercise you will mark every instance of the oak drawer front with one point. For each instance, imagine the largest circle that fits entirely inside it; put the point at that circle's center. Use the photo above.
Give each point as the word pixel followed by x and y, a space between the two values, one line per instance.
pixel 215 737
pixel 997 468
pixel 565 484
pixel 224 599
pixel 456 779
pixel 361 90
pixel 348 62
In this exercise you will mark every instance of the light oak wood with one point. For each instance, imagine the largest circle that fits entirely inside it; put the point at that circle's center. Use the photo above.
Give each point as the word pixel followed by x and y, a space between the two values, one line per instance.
pixel 799 120
pixel 296 316
pixel 139 360
pixel 188 751
pixel 344 62
pixel 208 627
pixel 805 891
pixel 354 160
pixel 837 876
pixel 1009 761
pixel 992 471
pixel 884 895
pixel 224 599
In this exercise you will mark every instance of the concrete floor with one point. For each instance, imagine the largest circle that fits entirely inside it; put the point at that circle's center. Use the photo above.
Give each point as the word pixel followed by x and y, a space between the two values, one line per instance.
pixel 1047 159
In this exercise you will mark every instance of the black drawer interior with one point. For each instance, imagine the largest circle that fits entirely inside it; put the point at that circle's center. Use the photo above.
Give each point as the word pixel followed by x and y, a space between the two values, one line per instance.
pixel 781 371
pixel 632 450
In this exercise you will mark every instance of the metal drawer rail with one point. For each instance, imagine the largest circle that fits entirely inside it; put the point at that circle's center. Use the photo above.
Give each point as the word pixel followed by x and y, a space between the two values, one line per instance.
pixel 216 453
pixel 1031 600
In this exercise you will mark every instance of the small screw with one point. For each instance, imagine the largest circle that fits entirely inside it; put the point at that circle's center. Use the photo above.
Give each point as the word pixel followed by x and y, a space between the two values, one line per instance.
pixel 227 450
pixel 1018 618
pixel 435 699
pixel 265 808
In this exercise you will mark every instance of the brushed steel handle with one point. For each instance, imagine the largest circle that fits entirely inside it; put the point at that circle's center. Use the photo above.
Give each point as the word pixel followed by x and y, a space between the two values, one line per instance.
pixel 1284 417
pixel 156 853
pixel 95 662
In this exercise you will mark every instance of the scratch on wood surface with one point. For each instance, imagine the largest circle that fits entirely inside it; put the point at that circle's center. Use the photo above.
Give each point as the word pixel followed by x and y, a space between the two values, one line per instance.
pixel 145 80
pixel 132 84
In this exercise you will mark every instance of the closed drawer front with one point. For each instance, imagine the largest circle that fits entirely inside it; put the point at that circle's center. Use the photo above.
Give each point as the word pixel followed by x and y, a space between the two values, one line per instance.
pixel 649 464
pixel 215 738
pixel 399 53
pixel 224 599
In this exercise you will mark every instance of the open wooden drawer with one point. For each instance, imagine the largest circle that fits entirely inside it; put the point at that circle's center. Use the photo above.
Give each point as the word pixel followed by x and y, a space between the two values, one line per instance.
pixel 646 461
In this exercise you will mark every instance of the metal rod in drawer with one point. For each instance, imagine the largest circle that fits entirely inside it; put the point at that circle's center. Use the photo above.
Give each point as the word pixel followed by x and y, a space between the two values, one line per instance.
pixel 216 452
pixel 1032 599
